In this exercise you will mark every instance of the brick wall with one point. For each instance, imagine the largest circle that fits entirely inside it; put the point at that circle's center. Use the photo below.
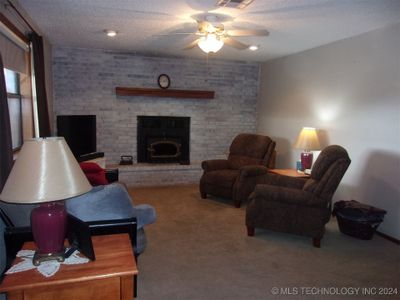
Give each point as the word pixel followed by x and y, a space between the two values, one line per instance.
pixel 85 81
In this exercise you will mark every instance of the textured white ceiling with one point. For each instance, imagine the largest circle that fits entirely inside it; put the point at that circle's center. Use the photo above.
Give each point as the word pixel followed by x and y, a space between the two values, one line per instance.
pixel 294 25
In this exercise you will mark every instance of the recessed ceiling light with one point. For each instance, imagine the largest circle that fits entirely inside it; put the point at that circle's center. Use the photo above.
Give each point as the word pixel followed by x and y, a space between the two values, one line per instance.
pixel 110 33
pixel 253 47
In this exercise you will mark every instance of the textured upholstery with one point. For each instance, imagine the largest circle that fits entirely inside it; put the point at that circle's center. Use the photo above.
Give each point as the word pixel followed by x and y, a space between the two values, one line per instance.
pixel 108 202
pixel 249 156
pixel 224 178
pixel 298 205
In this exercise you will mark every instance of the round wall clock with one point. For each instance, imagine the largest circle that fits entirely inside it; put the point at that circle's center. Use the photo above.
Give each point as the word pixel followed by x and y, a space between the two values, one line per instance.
pixel 164 81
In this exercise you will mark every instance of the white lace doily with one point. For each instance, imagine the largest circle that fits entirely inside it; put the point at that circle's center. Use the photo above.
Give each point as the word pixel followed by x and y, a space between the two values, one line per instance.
pixel 46 268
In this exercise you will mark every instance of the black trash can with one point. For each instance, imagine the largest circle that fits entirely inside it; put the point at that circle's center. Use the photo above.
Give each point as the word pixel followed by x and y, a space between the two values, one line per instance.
pixel 358 220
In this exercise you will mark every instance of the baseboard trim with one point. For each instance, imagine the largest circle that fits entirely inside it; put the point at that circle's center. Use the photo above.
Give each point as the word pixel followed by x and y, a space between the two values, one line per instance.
pixel 388 237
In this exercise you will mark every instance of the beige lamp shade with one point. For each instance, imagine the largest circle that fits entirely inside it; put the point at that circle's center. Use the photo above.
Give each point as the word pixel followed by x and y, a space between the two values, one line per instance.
pixel 44 171
pixel 308 139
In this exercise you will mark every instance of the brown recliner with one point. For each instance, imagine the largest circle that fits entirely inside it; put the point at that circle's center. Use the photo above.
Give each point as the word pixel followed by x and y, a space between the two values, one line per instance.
pixel 231 178
pixel 298 205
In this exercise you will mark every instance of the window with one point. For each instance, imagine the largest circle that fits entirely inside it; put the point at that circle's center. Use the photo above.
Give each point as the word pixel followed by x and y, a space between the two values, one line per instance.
pixel 14 107
pixel 15 52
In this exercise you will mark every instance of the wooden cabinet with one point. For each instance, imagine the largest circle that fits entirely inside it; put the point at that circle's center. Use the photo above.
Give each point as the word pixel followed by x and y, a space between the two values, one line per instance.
pixel 110 276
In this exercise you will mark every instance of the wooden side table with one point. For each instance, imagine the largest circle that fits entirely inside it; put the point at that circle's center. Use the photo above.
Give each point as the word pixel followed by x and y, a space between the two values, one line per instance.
pixel 110 276
pixel 289 172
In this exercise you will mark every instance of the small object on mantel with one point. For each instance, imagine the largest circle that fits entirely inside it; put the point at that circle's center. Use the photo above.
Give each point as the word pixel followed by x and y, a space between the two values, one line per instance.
pixel 168 93
pixel 163 81
pixel 126 160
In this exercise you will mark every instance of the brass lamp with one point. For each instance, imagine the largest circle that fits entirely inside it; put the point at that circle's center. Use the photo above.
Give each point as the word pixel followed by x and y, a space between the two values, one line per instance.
pixel 307 141
pixel 46 172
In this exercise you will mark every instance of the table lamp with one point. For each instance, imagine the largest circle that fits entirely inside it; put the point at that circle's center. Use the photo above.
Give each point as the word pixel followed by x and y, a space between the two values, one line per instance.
pixel 46 172
pixel 307 141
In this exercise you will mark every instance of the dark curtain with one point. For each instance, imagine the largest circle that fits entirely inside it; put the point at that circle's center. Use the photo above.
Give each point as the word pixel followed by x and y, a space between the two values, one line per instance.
pixel 38 65
pixel 6 153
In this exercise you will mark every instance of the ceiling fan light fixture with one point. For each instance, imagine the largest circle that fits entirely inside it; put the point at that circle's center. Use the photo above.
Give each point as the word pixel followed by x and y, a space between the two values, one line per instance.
pixel 110 33
pixel 253 47
pixel 210 43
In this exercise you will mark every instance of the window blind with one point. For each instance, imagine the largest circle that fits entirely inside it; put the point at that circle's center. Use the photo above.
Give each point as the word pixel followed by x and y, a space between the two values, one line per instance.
pixel 13 51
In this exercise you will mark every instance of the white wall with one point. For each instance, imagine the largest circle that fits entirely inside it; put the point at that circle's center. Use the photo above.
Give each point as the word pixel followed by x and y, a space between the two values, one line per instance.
pixel 350 90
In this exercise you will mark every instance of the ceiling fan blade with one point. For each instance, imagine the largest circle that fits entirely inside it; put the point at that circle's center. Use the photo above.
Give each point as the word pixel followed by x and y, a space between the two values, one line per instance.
pixel 293 8
pixel 248 32
pixel 234 43
pixel 176 33
pixel 191 45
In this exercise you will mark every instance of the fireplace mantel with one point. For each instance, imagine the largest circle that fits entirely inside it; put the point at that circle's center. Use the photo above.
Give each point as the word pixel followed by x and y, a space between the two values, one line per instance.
pixel 170 93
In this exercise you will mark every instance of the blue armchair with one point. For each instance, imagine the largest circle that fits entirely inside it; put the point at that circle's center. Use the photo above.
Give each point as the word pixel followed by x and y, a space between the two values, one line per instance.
pixel 106 202
pixel 110 202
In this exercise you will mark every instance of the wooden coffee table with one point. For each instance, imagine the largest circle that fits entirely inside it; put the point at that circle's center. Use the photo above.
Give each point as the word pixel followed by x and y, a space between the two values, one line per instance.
pixel 289 172
pixel 110 276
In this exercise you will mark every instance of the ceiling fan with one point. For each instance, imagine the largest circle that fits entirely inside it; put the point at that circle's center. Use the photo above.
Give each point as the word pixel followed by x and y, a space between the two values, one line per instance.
pixel 213 35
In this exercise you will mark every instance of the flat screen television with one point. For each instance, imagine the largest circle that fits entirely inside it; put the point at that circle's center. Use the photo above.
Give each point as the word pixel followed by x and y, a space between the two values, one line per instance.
pixel 79 132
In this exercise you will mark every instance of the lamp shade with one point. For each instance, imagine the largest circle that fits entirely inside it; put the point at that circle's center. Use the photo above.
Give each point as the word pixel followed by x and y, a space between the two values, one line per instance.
pixel 44 171
pixel 308 139
pixel 210 43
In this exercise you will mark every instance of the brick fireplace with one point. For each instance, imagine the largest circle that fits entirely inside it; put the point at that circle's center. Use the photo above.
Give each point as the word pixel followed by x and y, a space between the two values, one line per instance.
pixel 163 139
pixel 85 82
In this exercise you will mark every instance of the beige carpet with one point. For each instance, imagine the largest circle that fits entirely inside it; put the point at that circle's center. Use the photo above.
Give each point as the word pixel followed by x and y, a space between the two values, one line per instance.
pixel 198 249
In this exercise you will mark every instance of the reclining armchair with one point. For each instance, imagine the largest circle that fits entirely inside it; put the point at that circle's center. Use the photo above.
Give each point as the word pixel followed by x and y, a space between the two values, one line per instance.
pixel 233 177
pixel 298 205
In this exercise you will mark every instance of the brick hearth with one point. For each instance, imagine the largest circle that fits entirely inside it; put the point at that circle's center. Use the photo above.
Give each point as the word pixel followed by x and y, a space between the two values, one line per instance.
pixel 145 174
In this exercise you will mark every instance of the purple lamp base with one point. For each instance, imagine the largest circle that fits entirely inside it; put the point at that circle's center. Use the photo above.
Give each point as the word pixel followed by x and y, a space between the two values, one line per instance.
pixel 48 223
pixel 306 160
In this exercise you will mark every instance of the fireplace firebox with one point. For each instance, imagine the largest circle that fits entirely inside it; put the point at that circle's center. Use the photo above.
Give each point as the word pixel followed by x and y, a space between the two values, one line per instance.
pixel 163 139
